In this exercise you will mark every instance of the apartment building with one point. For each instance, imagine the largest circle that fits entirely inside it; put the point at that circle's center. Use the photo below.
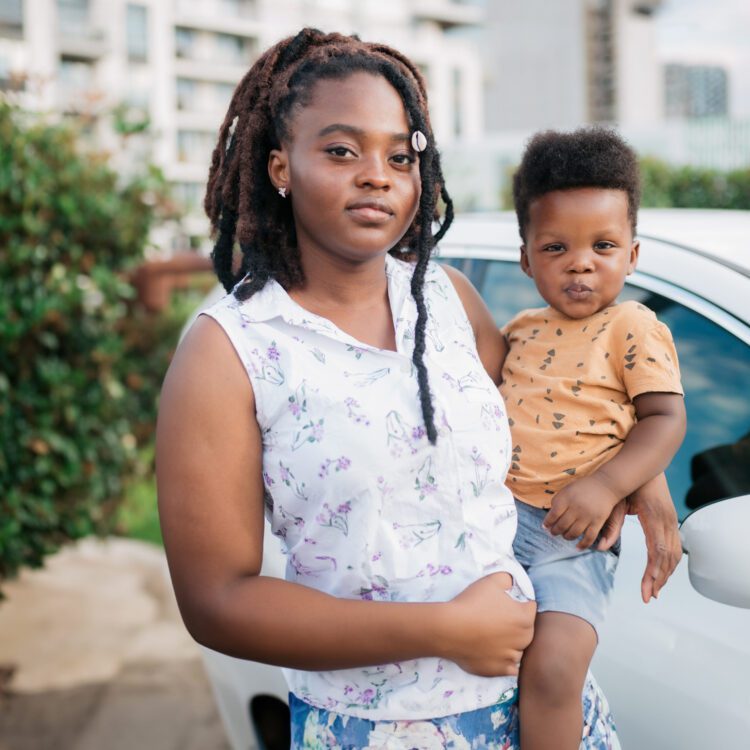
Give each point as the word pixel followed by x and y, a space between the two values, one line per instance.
pixel 176 62
pixel 569 62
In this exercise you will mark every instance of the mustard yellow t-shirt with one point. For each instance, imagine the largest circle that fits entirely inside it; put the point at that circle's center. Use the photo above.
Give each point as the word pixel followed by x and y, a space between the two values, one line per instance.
pixel 569 387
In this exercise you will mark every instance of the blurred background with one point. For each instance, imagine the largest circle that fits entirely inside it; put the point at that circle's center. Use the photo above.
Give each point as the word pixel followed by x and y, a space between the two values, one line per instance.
pixel 108 116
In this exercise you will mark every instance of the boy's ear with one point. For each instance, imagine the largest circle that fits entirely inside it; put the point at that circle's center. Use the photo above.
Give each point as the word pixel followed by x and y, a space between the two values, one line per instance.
pixel 278 168
pixel 634 250
pixel 525 267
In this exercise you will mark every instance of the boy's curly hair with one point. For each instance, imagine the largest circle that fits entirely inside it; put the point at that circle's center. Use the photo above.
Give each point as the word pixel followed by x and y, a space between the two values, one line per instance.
pixel 588 157
pixel 242 204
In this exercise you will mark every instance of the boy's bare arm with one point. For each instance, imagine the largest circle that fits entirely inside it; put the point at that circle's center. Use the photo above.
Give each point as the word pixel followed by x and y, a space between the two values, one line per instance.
pixel 581 508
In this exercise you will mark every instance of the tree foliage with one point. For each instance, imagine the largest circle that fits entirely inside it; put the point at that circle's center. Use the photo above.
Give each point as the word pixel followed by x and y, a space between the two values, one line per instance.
pixel 72 387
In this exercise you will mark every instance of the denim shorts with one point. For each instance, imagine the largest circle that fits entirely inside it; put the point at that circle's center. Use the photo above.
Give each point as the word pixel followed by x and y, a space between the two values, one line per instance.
pixel 566 579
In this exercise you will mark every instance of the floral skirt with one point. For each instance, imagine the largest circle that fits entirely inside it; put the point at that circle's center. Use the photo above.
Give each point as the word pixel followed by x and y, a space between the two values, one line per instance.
pixel 491 728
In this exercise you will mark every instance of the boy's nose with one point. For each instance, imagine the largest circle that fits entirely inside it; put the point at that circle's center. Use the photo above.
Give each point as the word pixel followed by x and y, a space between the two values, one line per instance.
pixel 580 262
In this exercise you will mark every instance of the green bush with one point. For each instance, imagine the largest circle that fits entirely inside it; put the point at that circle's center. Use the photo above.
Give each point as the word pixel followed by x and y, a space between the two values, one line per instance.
pixel 73 393
pixel 667 186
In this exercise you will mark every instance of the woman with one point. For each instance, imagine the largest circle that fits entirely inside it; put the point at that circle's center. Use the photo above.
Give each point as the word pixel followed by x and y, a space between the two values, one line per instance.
pixel 344 387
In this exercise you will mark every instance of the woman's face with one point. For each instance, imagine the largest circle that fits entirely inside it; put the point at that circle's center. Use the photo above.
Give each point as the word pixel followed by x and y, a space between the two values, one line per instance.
pixel 349 169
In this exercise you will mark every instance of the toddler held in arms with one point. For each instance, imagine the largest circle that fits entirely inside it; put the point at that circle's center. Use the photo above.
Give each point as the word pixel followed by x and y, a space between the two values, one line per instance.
pixel 592 389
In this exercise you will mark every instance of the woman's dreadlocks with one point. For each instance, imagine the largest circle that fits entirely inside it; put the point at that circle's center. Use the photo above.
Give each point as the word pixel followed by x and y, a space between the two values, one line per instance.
pixel 241 201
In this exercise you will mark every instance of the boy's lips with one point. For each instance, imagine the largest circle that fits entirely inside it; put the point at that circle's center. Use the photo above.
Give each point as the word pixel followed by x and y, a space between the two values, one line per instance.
pixel 578 291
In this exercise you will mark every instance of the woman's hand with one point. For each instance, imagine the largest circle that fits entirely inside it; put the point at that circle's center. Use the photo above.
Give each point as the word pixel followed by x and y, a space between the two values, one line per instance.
pixel 653 505
pixel 486 630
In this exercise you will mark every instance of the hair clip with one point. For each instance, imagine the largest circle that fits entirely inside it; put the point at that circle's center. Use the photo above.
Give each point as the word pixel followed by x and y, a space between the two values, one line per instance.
pixel 418 141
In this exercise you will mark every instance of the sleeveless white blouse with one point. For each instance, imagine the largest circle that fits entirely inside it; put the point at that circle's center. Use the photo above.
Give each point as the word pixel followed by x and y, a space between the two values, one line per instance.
pixel 365 506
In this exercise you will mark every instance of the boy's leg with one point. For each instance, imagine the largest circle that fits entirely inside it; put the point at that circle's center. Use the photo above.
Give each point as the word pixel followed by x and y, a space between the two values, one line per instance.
pixel 551 681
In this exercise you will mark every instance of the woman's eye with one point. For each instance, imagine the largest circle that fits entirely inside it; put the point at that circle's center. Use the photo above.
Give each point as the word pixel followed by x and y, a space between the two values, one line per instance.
pixel 339 151
pixel 403 159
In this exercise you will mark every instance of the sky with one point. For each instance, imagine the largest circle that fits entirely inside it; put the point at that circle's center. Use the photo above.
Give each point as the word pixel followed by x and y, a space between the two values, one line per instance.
pixel 710 32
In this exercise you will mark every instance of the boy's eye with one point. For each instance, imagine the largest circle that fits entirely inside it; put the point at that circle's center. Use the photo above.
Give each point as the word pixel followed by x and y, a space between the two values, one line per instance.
pixel 554 248
pixel 604 245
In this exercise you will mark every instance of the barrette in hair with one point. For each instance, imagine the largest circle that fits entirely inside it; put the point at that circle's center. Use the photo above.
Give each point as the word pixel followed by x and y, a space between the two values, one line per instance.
pixel 418 141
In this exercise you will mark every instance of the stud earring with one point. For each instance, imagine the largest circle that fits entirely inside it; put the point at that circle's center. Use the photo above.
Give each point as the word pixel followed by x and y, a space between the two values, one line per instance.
pixel 282 192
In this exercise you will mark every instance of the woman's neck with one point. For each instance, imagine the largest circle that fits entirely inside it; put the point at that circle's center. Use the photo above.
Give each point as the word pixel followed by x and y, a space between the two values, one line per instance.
pixel 339 284
pixel 352 295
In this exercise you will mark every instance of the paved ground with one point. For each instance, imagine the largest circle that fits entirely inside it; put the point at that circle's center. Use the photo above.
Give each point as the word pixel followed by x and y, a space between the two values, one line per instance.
pixel 93 655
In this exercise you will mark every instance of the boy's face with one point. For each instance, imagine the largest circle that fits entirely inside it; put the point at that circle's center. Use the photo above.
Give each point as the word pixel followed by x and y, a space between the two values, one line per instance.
pixel 579 248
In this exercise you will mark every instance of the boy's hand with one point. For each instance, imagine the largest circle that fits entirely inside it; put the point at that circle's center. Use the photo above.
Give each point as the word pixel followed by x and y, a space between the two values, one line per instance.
pixel 580 510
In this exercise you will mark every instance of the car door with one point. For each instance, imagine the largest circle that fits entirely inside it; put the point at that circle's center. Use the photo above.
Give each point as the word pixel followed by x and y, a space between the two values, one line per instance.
pixel 675 670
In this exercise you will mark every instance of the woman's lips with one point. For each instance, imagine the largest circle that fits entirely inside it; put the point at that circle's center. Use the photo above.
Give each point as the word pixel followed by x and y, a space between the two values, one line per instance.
pixel 370 212
pixel 578 291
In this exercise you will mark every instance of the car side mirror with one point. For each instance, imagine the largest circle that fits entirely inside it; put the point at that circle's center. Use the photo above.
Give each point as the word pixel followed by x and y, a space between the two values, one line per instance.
pixel 715 539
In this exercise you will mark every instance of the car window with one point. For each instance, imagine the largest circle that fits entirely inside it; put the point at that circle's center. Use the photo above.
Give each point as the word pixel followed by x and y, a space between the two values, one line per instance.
pixel 714 460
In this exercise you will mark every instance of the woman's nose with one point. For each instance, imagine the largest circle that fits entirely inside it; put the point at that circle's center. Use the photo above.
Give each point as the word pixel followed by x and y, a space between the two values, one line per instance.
pixel 374 173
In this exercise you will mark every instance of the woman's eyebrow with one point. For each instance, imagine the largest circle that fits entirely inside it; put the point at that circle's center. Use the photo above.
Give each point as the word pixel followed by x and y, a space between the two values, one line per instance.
pixel 338 127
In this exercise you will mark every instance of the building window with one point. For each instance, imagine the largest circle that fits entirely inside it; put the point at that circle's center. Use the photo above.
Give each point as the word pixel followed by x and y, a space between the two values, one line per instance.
pixel 73 16
pixel 11 18
pixel 137 32
pixel 195 146
pixel 190 195
pixel 231 49
pixel 184 41
pixel 222 95
pixel 186 92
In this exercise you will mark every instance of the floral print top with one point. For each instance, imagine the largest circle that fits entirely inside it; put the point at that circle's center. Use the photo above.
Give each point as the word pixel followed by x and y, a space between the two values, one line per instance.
pixel 364 505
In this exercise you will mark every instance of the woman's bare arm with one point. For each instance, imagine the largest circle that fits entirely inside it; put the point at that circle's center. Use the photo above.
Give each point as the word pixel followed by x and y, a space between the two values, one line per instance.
pixel 491 345
pixel 210 489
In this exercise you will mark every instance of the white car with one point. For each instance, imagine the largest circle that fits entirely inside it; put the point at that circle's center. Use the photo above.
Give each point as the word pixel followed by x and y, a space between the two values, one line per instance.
pixel 676 671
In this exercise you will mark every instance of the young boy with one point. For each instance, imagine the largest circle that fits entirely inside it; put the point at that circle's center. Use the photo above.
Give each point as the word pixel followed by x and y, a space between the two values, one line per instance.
pixel 593 393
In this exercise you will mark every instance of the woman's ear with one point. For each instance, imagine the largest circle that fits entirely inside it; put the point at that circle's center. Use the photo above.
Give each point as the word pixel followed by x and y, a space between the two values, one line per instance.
pixel 278 169
pixel 525 267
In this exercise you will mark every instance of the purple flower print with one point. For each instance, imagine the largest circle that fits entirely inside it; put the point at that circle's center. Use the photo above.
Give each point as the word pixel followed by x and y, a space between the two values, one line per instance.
pixel 335 519
pixel 287 477
pixel 310 432
pixel 377 590
pixel 354 413
pixel 342 463
pixel 265 366
pixel 425 482
pixel 268 479
pixel 481 472
pixel 434 570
